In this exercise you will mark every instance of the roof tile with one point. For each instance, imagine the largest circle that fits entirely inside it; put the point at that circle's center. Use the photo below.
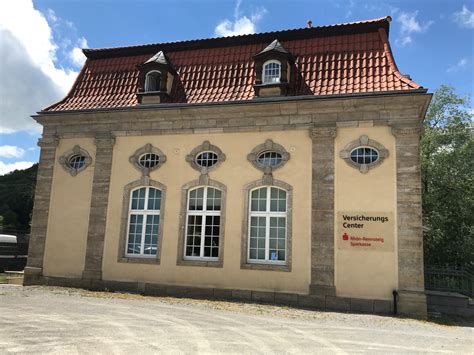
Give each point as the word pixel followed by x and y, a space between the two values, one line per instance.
pixel 324 65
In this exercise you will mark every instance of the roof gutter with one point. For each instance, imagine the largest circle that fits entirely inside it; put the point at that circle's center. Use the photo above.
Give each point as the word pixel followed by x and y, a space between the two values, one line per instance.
pixel 259 100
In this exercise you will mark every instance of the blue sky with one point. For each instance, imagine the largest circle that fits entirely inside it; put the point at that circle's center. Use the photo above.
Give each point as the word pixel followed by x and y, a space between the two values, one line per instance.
pixel 433 41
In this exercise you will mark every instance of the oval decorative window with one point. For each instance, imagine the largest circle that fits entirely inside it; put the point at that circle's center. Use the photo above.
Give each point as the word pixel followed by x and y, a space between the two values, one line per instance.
pixel 269 158
pixel 207 159
pixel 77 161
pixel 364 155
pixel 149 160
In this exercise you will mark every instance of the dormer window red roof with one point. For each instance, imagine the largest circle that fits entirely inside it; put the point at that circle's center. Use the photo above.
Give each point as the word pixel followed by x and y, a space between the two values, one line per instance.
pixel 352 58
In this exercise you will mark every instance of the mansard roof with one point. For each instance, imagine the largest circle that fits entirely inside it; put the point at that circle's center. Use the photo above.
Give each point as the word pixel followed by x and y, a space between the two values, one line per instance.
pixel 350 58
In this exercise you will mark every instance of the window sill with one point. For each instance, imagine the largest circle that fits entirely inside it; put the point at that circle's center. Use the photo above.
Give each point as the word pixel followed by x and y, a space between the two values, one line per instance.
pixel 268 267
pixel 139 260
pixel 202 263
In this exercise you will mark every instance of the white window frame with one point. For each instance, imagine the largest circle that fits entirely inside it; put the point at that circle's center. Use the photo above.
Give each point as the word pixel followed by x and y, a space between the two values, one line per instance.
pixel 145 213
pixel 273 61
pixel 204 213
pixel 364 147
pixel 147 83
pixel 267 214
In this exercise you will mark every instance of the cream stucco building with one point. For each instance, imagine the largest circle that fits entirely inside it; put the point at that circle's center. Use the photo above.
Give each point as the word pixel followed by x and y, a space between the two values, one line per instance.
pixel 280 167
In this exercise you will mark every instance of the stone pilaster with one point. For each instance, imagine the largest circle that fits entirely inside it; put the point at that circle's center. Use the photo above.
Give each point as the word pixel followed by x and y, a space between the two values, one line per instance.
pixel 39 222
pixel 322 214
pixel 412 299
pixel 98 210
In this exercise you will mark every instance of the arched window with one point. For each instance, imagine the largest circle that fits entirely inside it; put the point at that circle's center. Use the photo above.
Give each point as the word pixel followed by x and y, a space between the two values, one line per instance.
pixel 143 222
pixel 203 221
pixel 267 225
pixel 271 72
pixel 153 81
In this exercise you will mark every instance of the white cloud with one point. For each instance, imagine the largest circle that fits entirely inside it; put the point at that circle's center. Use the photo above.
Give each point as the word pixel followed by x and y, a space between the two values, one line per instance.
pixel 6 168
pixel 464 18
pixel 76 55
pixel 460 65
pixel 241 24
pixel 11 151
pixel 27 37
pixel 408 26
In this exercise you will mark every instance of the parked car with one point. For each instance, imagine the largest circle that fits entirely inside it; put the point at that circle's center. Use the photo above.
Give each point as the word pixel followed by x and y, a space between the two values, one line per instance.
pixel 13 252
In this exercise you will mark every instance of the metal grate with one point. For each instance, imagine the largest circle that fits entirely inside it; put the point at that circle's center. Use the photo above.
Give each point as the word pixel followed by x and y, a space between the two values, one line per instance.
pixel 450 279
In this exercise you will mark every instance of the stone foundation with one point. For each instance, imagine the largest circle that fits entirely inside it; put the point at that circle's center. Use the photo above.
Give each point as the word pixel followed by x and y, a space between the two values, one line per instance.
pixel 316 302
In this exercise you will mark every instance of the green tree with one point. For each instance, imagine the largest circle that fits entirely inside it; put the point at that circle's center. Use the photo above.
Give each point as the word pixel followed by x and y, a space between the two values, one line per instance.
pixel 16 198
pixel 447 163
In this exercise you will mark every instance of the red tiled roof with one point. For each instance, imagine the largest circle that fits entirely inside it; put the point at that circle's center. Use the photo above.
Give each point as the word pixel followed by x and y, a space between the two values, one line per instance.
pixel 337 59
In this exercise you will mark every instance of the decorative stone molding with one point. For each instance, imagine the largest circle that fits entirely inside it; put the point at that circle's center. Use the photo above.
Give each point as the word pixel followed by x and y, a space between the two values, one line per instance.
pixel 406 131
pixel 319 132
pixel 145 181
pixel 203 181
pixel 64 160
pixel 206 146
pixel 244 264
pixel 48 141
pixel 148 148
pixel 363 141
pixel 269 145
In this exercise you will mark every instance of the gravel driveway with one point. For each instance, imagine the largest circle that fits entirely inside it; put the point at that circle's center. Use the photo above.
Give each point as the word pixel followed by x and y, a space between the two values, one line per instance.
pixel 60 320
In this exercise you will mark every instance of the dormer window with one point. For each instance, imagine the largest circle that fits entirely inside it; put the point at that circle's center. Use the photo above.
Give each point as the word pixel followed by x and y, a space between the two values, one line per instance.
pixel 153 81
pixel 271 72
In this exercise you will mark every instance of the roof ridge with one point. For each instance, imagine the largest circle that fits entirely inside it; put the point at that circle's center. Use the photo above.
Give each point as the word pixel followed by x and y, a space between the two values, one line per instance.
pixel 88 51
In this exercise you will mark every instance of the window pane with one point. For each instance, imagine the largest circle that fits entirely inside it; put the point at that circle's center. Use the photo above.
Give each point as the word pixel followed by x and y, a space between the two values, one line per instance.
pixel 213 199
pixel 151 234
pixel 259 200
pixel 138 199
pixel 269 158
pixel 257 238
pixel 77 161
pixel 364 155
pixel 149 160
pixel 196 199
pixel 206 159
pixel 277 241
pixel 278 200
pixel 135 234
pixel 193 236
pixel 271 73
pixel 211 236
pixel 154 199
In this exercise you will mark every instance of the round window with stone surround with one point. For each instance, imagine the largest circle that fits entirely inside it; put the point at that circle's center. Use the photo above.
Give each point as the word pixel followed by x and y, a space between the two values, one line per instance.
pixel 75 160
pixel 205 157
pixel 364 154
pixel 147 158
pixel 268 156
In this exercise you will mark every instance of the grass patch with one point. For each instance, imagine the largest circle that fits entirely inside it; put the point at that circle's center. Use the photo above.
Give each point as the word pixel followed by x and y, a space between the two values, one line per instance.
pixel 3 279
